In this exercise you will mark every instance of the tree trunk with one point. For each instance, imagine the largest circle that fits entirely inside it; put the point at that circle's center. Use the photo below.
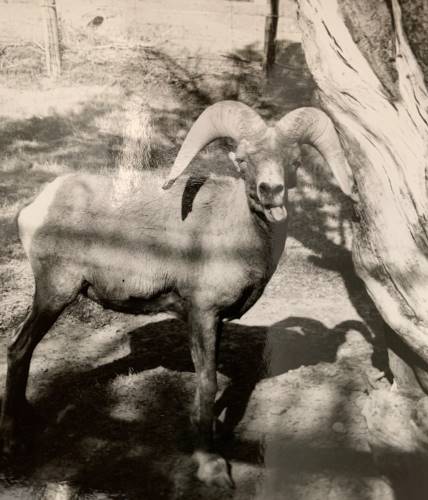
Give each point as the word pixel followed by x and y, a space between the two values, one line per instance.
pixel 271 26
pixel 372 87
pixel 52 50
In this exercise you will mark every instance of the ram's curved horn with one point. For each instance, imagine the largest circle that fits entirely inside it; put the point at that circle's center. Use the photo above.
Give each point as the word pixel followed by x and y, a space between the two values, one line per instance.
pixel 223 119
pixel 312 126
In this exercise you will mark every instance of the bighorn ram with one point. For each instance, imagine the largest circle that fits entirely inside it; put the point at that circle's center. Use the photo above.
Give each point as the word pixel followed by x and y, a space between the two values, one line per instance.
pixel 142 255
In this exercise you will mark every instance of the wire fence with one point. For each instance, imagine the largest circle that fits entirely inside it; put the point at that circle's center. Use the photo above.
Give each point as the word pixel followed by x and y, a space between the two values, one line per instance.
pixel 197 24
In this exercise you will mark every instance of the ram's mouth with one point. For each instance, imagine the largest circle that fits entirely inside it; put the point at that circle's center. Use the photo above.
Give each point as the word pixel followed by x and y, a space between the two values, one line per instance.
pixel 276 214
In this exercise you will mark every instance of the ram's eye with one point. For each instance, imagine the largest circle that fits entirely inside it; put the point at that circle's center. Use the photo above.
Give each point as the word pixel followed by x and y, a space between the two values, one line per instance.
pixel 242 164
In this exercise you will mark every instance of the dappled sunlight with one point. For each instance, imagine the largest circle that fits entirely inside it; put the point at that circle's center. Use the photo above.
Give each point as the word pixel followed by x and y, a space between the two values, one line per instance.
pixel 320 214
pixel 25 104
pixel 72 138
pixel 136 396
pixel 116 391
pixel 122 400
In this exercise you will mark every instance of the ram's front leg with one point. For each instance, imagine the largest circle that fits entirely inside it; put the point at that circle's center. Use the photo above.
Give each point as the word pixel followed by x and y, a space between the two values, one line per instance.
pixel 212 468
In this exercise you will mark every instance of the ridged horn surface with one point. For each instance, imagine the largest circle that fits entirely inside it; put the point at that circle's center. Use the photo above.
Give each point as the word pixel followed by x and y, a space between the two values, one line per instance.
pixel 223 119
pixel 312 126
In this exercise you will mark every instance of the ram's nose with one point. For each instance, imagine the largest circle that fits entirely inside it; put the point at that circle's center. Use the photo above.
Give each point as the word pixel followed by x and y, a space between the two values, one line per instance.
pixel 273 200
pixel 267 190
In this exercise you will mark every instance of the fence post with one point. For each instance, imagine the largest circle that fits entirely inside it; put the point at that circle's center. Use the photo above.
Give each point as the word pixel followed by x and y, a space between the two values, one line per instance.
pixel 52 50
pixel 271 25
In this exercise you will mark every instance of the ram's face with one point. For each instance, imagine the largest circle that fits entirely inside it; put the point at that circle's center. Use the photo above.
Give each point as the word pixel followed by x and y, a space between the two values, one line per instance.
pixel 269 170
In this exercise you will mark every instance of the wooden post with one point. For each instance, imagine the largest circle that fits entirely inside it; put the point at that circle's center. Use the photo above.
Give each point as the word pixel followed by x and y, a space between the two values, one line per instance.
pixel 52 51
pixel 271 25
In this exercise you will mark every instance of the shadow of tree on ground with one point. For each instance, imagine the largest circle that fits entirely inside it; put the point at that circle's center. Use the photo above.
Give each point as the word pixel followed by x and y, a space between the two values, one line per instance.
pixel 123 428
pixel 73 139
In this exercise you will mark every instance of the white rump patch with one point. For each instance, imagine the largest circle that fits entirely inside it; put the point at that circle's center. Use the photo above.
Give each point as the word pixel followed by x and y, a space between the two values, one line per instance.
pixel 33 216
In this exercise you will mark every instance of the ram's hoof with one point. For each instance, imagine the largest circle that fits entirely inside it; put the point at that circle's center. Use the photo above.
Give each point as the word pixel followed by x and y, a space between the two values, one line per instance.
pixel 213 470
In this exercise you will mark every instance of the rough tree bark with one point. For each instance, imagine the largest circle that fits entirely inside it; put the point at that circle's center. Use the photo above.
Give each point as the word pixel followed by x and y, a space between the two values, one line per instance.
pixel 271 26
pixel 372 87
pixel 52 50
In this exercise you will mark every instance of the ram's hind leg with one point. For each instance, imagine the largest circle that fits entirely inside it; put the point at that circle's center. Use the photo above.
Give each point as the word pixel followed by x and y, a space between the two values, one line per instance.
pixel 48 303
pixel 212 468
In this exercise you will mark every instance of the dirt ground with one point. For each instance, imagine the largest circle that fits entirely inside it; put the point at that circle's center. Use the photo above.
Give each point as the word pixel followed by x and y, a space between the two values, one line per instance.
pixel 298 372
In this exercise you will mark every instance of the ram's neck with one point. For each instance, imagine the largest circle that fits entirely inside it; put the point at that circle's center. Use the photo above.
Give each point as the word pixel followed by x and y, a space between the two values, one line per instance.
pixel 271 237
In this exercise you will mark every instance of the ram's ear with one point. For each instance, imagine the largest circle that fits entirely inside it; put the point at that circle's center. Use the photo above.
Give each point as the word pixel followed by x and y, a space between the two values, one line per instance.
pixel 236 163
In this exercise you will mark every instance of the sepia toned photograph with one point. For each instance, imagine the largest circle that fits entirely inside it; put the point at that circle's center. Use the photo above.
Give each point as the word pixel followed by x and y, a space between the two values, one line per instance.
pixel 214 259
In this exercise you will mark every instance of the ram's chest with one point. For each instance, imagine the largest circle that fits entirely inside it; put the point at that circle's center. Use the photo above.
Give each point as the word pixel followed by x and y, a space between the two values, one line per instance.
pixel 233 279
